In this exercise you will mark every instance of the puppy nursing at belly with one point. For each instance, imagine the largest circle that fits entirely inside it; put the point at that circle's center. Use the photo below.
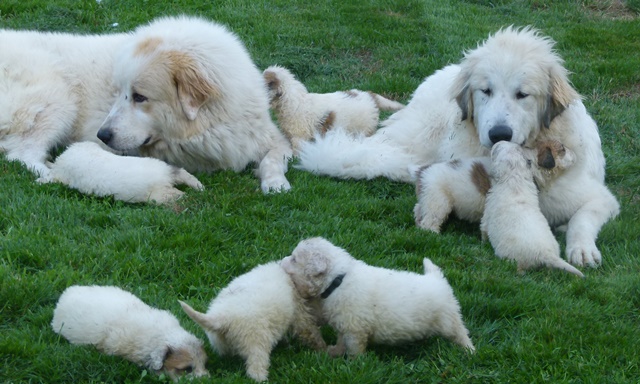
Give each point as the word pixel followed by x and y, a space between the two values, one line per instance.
pixel 460 186
pixel 364 303
pixel 90 169
pixel 512 219
pixel 118 323
pixel 302 114
pixel 253 313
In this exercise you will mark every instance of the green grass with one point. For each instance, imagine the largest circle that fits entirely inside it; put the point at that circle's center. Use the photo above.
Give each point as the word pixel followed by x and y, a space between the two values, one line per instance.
pixel 545 326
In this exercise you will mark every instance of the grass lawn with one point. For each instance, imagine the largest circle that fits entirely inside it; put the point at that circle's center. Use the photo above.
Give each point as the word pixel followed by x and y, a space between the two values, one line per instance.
pixel 544 326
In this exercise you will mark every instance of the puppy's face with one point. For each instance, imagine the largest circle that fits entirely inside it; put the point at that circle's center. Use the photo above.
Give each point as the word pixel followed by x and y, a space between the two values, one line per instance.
pixel 508 158
pixel 189 360
pixel 307 266
pixel 160 92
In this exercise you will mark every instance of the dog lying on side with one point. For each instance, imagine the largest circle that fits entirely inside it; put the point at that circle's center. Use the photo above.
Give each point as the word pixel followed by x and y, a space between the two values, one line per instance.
pixel 460 186
pixel 90 169
pixel 302 114
pixel 118 323
pixel 365 303
pixel 253 313
pixel 512 219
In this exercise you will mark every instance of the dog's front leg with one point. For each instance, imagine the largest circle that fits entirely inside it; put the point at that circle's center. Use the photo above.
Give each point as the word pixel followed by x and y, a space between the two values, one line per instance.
pixel 273 167
pixel 339 349
pixel 584 226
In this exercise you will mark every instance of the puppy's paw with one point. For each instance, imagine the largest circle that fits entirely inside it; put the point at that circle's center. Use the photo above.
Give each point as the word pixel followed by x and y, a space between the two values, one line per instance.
pixel 275 184
pixel 584 255
pixel 336 350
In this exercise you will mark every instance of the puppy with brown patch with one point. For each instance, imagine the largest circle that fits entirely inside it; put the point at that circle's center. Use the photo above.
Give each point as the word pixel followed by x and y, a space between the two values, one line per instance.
pixel 253 313
pixel 118 323
pixel 370 304
pixel 512 219
pixel 90 169
pixel 460 186
pixel 302 114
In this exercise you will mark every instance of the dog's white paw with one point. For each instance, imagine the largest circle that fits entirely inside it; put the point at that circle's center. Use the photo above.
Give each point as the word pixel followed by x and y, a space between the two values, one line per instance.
pixel 584 255
pixel 275 184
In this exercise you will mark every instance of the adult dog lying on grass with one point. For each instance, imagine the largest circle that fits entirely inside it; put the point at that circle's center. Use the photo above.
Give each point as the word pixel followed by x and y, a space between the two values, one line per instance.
pixel 514 88
pixel 180 89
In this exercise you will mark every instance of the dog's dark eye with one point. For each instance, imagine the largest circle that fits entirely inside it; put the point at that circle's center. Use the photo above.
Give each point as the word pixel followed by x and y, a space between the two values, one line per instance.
pixel 521 95
pixel 487 91
pixel 188 369
pixel 138 98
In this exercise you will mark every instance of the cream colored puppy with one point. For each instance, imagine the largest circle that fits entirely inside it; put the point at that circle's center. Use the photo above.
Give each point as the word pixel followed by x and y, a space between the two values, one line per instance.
pixel 90 169
pixel 512 219
pixel 118 323
pixel 365 303
pixel 302 114
pixel 460 186
pixel 253 313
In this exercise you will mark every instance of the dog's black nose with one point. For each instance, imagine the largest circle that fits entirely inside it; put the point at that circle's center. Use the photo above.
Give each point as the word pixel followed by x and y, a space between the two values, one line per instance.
pixel 500 133
pixel 105 135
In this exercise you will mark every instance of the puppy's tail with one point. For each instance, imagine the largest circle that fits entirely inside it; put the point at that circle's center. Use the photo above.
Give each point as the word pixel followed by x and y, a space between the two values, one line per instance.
pixel 556 262
pixel 429 267
pixel 385 104
pixel 339 154
pixel 207 322
pixel 180 176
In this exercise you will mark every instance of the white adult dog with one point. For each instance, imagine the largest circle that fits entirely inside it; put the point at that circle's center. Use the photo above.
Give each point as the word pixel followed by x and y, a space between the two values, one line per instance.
pixel 514 88
pixel 180 89
pixel 119 323
pixel 90 169
pixel 512 221
pixel 365 303
pixel 253 313
pixel 302 114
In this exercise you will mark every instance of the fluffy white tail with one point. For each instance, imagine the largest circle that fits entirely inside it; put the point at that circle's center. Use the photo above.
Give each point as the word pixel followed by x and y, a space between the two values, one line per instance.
pixel 385 104
pixel 429 267
pixel 339 154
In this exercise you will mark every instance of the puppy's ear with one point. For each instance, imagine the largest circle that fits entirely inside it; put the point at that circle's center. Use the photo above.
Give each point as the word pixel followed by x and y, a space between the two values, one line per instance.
pixel 271 79
pixel 317 266
pixel 194 86
pixel 461 91
pixel 560 95
pixel 545 158
pixel 207 322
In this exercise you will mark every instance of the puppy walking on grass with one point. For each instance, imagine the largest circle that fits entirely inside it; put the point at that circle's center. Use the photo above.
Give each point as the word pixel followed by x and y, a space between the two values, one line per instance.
pixel 301 114
pixel 253 313
pixel 365 303
pixel 512 218
pixel 118 323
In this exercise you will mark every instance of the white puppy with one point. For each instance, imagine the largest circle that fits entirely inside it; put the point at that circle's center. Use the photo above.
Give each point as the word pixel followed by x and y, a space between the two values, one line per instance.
pixel 253 313
pixel 365 303
pixel 118 323
pixel 90 169
pixel 460 186
pixel 512 219
pixel 302 114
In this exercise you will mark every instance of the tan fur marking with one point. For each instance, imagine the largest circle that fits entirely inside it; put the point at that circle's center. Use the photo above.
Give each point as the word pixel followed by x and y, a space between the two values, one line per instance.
pixel 177 359
pixel 480 178
pixel 327 122
pixel 351 93
pixel 419 185
pixel 147 46
pixel 272 80
pixel 455 164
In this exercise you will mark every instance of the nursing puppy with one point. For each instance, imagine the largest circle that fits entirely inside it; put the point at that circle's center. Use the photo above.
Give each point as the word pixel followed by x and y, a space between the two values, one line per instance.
pixel 365 303
pixel 512 219
pixel 118 323
pixel 88 168
pixel 302 114
pixel 460 186
pixel 253 313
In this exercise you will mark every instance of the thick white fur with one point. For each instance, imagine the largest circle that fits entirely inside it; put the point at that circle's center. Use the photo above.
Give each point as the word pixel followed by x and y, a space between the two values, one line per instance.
pixel 118 323
pixel 87 167
pixel 375 304
pixel 302 114
pixel 512 83
pixel 512 220
pixel 60 88
pixel 253 313
pixel 460 186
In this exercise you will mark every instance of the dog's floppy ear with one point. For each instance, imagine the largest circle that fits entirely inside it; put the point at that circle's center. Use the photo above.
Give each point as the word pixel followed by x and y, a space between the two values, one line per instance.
pixel 317 265
pixel 461 91
pixel 559 96
pixel 271 79
pixel 157 358
pixel 205 321
pixel 194 86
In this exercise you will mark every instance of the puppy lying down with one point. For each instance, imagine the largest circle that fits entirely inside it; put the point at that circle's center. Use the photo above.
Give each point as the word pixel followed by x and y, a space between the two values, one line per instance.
pixel 512 218
pixel 118 323
pixel 90 169
pixel 301 114
pixel 460 186
pixel 253 313
pixel 365 303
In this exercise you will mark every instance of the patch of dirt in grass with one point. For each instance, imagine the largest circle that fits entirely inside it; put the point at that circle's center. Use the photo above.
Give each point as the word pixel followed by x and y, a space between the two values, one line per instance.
pixel 610 9
pixel 627 93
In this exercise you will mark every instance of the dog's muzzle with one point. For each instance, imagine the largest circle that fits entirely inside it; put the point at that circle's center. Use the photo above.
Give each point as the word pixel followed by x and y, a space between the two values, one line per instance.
pixel 500 133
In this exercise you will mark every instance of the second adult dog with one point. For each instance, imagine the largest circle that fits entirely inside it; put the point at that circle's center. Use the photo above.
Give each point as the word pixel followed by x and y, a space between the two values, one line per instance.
pixel 513 87
pixel 180 89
